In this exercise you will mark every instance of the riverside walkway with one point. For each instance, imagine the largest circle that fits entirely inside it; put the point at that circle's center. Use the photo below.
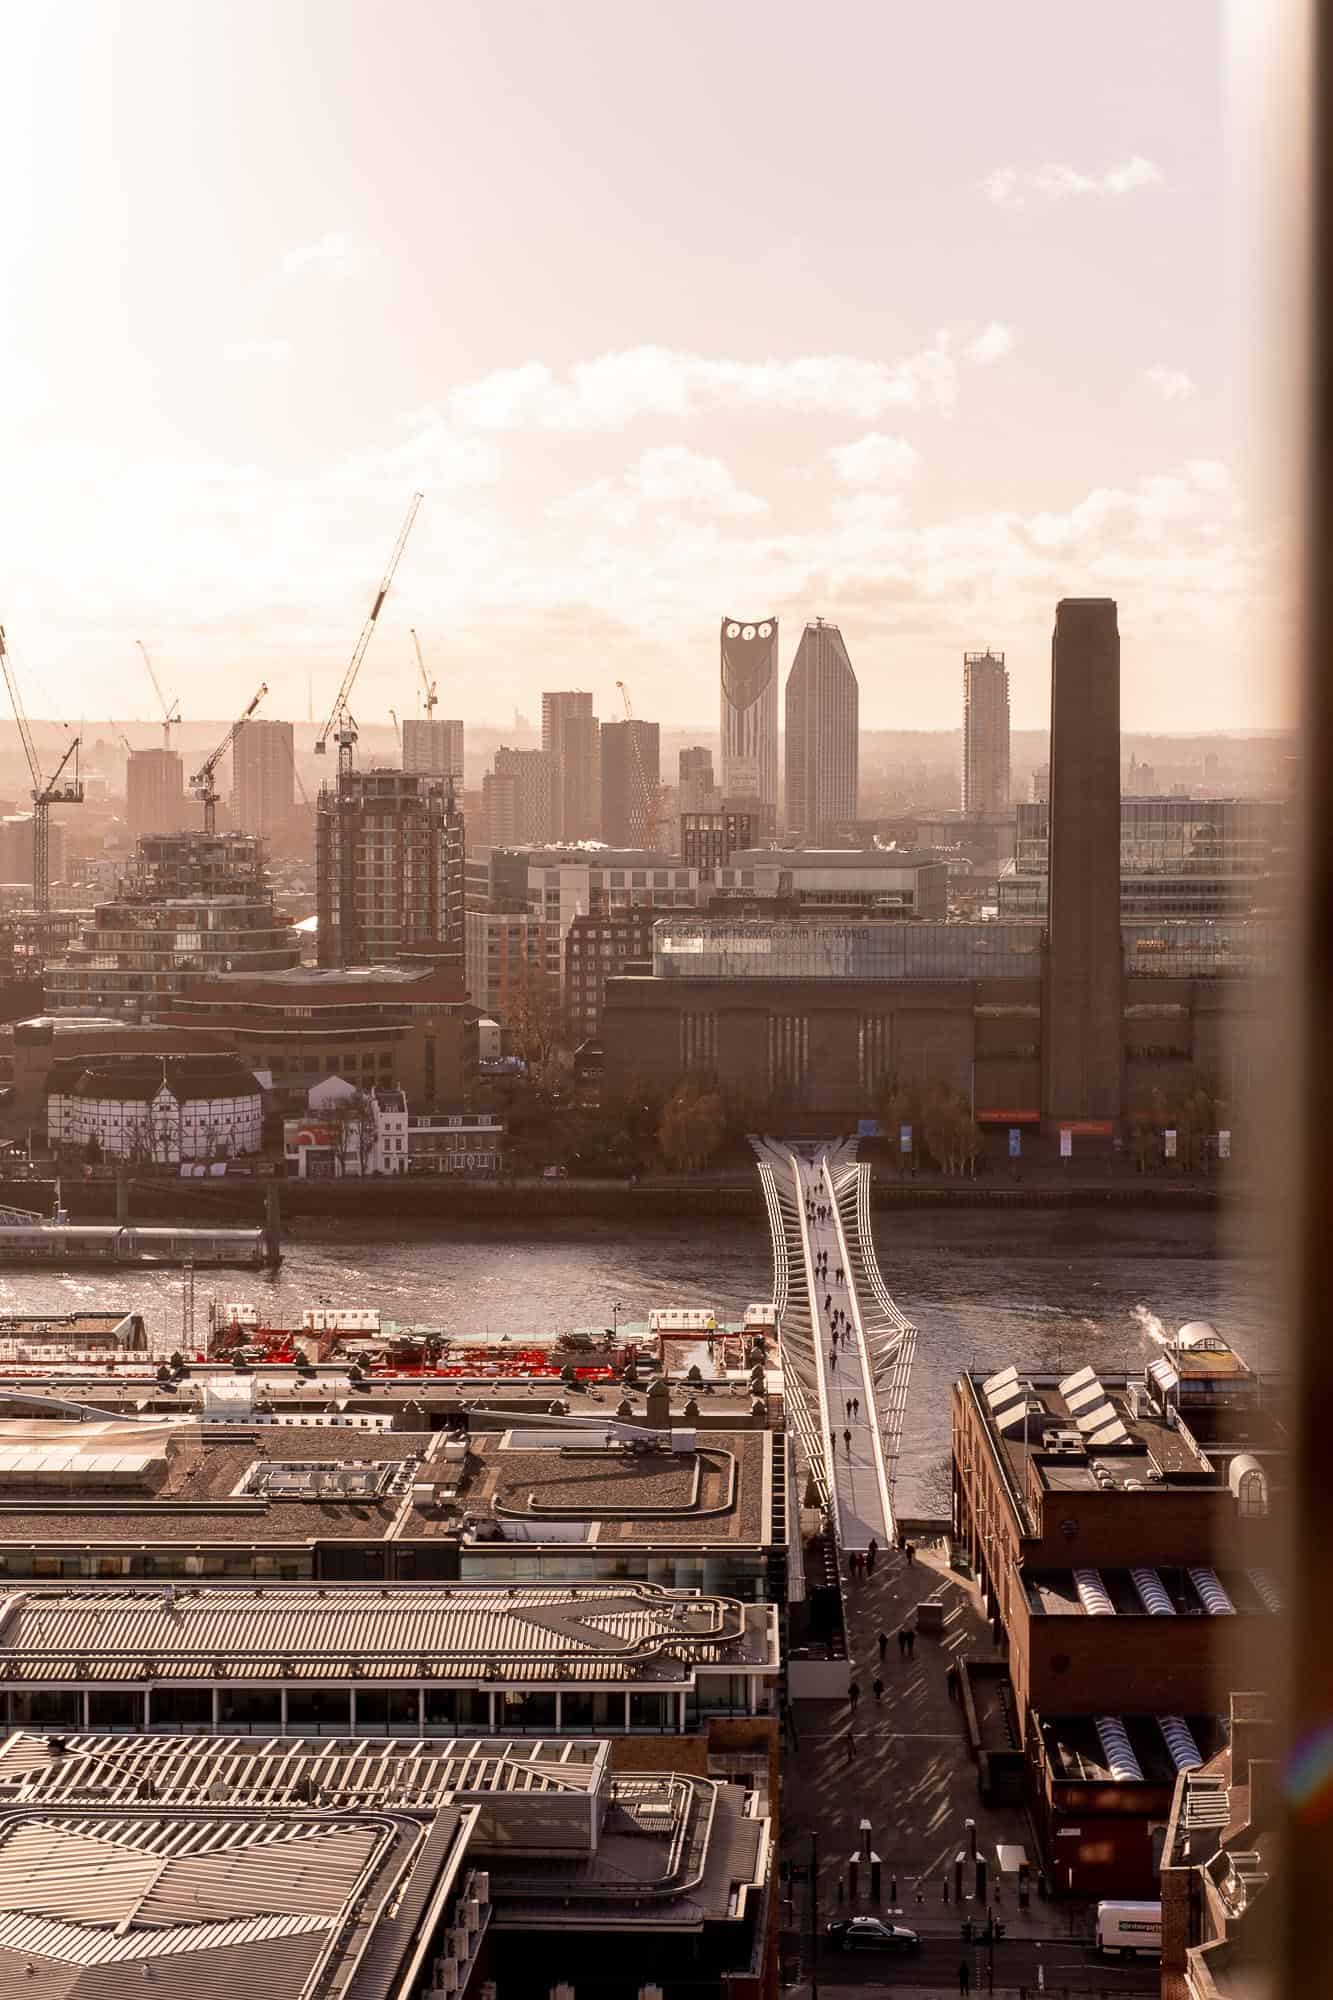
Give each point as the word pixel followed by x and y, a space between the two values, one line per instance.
pixel 846 1349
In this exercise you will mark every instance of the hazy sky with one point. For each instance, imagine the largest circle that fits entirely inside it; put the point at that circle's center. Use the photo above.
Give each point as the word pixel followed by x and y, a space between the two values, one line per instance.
pixel 916 318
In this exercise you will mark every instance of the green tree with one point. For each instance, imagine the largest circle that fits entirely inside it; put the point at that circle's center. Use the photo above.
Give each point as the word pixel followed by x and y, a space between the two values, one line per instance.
pixel 693 1126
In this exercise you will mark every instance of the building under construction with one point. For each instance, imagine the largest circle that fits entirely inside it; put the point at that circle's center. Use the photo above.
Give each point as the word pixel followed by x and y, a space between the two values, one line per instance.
pixel 389 857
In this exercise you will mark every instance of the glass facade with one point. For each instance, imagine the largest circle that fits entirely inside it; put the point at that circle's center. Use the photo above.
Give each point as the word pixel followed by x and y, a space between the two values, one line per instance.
pixel 718 949
pixel 1203 950
pixel 1179 858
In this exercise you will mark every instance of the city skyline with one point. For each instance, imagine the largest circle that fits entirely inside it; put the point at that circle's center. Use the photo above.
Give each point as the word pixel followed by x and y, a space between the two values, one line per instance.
pixel 1036 395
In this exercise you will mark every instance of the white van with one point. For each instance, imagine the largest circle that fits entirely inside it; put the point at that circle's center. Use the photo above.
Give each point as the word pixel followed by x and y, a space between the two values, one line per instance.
pixel 1129 1930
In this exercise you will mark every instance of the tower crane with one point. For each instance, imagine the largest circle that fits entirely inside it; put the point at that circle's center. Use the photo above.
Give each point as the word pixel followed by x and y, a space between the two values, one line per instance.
pixel 341 724
pixel 171 711
pixel 426 681
pixel 45 792
pixel 397 730
pixel 651 794
pixel 201 784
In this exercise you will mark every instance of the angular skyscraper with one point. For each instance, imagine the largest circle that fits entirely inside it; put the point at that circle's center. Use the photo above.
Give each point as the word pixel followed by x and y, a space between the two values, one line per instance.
pixel 750 709
pixel 1081 1025
pixel 822 747
pixel 985 733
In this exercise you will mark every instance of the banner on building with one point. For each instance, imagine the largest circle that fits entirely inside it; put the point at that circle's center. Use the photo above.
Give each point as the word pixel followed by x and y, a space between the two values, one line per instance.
pixel 1170 1137
pixel 1224 1145
pixel 1066 1143
pixel 1015 1142
pixel 869 1128
pixel 904 1138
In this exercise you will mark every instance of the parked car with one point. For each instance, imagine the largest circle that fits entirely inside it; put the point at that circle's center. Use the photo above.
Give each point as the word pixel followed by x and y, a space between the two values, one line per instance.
pixel 555 1173
pixel 871 1934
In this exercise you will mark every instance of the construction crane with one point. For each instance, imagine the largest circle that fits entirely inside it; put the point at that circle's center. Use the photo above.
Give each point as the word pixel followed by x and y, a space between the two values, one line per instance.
pixel 171 711
pixel 201 784
pixel 45 792
pixel 651 795
pixel 397 730
pixel 341 724
pixel 426 681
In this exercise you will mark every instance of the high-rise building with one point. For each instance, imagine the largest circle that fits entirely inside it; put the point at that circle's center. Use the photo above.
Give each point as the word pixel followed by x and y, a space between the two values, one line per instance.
pixel 263 776
pixel 570 733
pixel 985 733
pixel 696 789
pixel 518 798
pixel 1081 1040
pixel 631 754
pixel 155 792
pixel 749 693
pixel 557 708
pixel 389 869
pixel 434 747
pixel 822 734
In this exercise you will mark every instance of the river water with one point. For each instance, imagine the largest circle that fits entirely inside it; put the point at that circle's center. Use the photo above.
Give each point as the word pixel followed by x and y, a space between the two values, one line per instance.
pixel 1041 1288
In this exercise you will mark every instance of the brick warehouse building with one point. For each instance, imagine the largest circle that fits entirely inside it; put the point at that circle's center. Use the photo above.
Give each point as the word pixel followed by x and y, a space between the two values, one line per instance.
pixel 1092 1508
pixel 814 1014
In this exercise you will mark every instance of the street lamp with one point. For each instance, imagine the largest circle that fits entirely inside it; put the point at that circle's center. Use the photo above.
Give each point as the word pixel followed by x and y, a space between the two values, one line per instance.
pixel 616 1309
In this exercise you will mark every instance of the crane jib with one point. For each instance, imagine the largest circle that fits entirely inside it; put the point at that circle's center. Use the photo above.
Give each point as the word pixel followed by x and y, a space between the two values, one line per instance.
pixel 378 601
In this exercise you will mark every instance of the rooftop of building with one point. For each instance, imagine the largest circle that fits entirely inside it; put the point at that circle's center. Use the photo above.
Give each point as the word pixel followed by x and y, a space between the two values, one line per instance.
pixel 834 857
pixel 465 1634
pixel 1092 1430
pixel 138 1077
pixel 1151 1591
pixel 534 1483
pixel 1125 1749
pixel 568 1843
pixel 199 1484
pixel 283 1900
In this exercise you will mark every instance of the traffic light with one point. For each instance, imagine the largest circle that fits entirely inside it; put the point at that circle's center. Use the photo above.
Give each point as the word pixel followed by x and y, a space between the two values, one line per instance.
pixel 998 1932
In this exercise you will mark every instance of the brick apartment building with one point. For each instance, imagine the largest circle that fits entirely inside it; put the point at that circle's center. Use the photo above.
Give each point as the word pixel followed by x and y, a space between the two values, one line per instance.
pixel 1093 1508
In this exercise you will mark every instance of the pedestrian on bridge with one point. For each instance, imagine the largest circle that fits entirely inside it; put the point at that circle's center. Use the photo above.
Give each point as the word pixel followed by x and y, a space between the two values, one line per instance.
pixel 882 1639
pixel 833 1357
pixel 847 1440
pixel 853 1694
pixel 964 1976
pixel 878 1685
pixel 872 1547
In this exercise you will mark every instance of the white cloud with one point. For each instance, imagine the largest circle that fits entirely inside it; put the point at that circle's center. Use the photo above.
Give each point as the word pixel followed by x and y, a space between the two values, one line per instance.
pixel 1055 180
pixel 670 476
pixel 874 460
pixel 1173 385
pixel 259 351
pixel 658 381
pixel 335 255
pixel 991 344
pixel 1135 172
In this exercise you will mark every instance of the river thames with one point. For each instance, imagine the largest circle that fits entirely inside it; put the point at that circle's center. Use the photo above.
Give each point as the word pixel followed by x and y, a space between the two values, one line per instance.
pixel 1041 1288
